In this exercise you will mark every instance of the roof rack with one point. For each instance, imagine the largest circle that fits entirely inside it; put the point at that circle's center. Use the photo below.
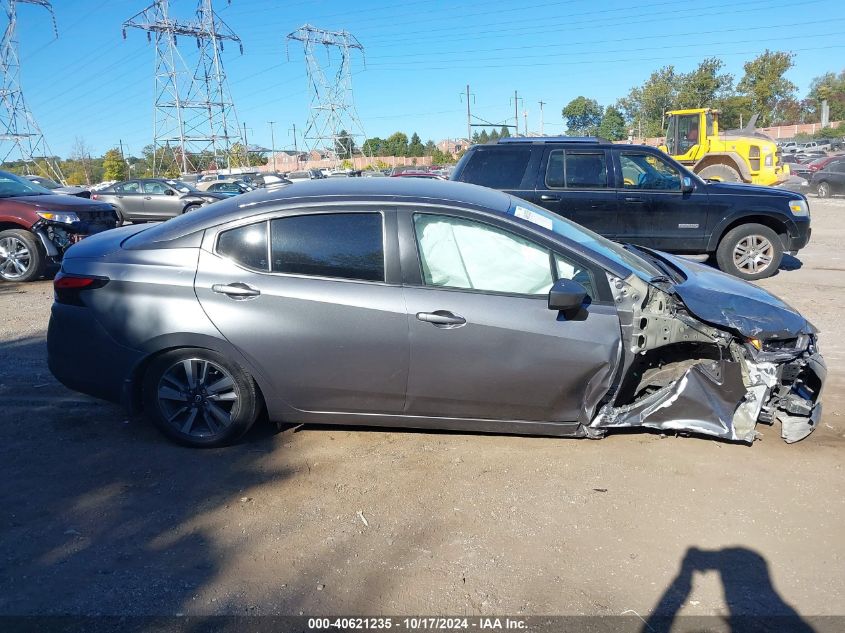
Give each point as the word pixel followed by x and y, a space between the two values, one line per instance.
pixel 553 139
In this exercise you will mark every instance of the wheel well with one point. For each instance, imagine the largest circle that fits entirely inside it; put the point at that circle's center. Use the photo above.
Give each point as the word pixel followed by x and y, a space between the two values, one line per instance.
pixel 136 393
pixel 775 225
pixel 5 226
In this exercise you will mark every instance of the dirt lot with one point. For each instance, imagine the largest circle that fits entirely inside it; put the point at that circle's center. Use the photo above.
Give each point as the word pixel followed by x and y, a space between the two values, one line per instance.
pixel 100 515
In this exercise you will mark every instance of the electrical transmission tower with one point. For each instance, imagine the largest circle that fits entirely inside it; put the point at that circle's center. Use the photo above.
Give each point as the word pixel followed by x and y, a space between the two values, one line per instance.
pixel 332 110
pixel 195 125
pixel 19 133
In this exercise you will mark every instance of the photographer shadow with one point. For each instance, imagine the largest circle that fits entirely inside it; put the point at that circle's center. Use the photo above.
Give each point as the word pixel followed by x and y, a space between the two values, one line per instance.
pixel 753 604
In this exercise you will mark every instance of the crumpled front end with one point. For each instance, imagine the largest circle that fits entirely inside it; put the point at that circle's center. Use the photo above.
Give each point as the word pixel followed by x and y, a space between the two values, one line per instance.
pixel 684 375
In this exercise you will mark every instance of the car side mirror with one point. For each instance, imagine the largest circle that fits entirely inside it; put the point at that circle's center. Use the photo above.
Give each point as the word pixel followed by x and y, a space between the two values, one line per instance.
pixel 566 295
pixel 686 185
pixel 169 192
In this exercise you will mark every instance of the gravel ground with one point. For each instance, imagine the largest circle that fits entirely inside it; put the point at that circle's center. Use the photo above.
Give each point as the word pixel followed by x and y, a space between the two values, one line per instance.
pixel 100 515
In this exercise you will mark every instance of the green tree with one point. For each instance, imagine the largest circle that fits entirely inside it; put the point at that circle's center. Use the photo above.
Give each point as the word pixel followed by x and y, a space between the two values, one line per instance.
pixel 373 146
pixel 483 137
pixel 644 107
pixel 397 144
pixel 113 166
pixel 705 86
pixel 612 126
pixel 415 147
pixel 344 145
pixel 504 132
pixel 735 111
pixel 764 83
pixel 830 87
pixel 475 137
pixel 583 116
pixel 494 136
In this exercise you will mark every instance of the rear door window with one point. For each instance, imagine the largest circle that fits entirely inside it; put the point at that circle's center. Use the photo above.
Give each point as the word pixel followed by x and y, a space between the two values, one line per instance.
pixel 497 168
pixel 246 245
pixel 576 170
pixel 341 245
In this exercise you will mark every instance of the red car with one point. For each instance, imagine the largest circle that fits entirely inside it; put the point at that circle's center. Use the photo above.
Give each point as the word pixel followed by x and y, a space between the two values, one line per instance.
pixel 38 226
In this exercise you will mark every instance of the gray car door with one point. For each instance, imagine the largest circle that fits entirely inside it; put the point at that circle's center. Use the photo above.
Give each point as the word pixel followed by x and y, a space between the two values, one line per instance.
pixel 161 201
pixel 483 342
pixel 313 300
pixel 130 199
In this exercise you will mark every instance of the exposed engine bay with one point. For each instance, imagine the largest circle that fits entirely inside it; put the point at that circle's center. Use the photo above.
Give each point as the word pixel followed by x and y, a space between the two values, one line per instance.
pixel 680 373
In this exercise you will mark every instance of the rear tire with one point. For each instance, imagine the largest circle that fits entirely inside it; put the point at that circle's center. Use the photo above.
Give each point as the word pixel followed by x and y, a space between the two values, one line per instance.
pixel 199 398
pixel 823 190
pixel 191 207
pixel 21 256
pixel 720 172
pixel 750 252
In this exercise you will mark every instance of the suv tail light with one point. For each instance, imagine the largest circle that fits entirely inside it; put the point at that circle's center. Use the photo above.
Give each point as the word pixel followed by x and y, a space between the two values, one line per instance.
pixel 67 289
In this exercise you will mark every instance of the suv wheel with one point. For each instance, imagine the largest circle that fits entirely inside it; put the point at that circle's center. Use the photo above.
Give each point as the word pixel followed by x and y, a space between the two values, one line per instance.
pixel 750 251
pixel 722 173
pixel 199 398
pixel 21 258
pixel 823 190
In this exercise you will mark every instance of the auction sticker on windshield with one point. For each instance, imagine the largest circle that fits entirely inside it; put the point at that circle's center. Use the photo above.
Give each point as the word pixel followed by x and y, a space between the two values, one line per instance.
pixel 534 217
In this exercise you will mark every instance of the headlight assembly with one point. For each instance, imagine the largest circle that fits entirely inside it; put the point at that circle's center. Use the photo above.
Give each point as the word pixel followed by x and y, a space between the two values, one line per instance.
pixel 799 207
pixel 62 217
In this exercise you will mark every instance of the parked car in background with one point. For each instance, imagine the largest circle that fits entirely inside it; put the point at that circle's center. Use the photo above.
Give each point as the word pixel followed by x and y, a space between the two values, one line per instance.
pixel 150 199
pixel 806 169
pixel 305 174
pixel 37 226
pixel 829 180
pixel 638 194
pixel 789 147
pixel 52 185
pixel 265 179
pixel 417 174
pixel 425 286
pixel 228 188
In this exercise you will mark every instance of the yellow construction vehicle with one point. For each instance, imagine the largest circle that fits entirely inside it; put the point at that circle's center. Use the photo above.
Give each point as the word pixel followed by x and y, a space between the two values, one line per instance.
pixel 693 138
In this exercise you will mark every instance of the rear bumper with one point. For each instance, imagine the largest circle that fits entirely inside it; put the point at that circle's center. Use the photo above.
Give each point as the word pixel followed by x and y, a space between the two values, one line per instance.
pixel 83 357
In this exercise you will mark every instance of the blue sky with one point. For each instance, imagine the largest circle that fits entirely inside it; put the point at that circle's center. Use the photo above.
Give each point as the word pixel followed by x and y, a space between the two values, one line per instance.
pixel 92 84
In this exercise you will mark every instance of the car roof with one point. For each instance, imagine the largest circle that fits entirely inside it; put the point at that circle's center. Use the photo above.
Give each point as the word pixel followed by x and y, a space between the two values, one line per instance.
pixel 328 190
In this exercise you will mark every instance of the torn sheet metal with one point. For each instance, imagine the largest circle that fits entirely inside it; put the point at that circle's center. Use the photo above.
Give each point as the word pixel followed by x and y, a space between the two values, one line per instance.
pixel 704 400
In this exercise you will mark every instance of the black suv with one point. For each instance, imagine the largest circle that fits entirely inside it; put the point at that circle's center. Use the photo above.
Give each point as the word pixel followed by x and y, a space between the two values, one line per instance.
pixel 637 194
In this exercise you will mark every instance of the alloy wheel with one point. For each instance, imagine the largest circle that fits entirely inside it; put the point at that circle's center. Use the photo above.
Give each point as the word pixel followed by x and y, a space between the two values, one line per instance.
pixel 198 398
pixel 15 258
pixel 824 190
pixel 753 254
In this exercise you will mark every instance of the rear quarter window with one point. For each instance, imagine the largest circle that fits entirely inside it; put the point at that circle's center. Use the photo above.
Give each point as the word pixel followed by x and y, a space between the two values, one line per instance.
pixel 497 168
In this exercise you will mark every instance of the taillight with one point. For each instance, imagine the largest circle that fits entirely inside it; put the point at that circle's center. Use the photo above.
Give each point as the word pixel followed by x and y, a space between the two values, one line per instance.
pixel 67 289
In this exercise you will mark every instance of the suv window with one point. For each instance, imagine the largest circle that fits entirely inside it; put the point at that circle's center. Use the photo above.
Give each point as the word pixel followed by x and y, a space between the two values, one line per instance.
pixel 247 245
pixel 578 170
pixel 343 245
pixel 458 253
pixel 500 168
pixel 641 170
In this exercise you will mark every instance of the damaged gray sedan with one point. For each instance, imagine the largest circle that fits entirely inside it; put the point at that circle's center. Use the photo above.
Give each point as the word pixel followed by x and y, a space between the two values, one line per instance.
pixel 424 304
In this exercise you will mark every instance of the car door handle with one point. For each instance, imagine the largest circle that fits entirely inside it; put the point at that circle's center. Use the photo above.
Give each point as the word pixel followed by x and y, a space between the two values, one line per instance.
pixel 547 197
pixel 634 200
pixel 442 318
pixel 236 290
pixel 148 198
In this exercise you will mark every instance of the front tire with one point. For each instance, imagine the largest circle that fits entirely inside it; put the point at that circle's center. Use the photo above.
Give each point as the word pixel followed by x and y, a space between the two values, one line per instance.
pixel 722 173
pixel 21 256
pixel 199 398
pixel 823 190
pixel 750 252
pixel 191 207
